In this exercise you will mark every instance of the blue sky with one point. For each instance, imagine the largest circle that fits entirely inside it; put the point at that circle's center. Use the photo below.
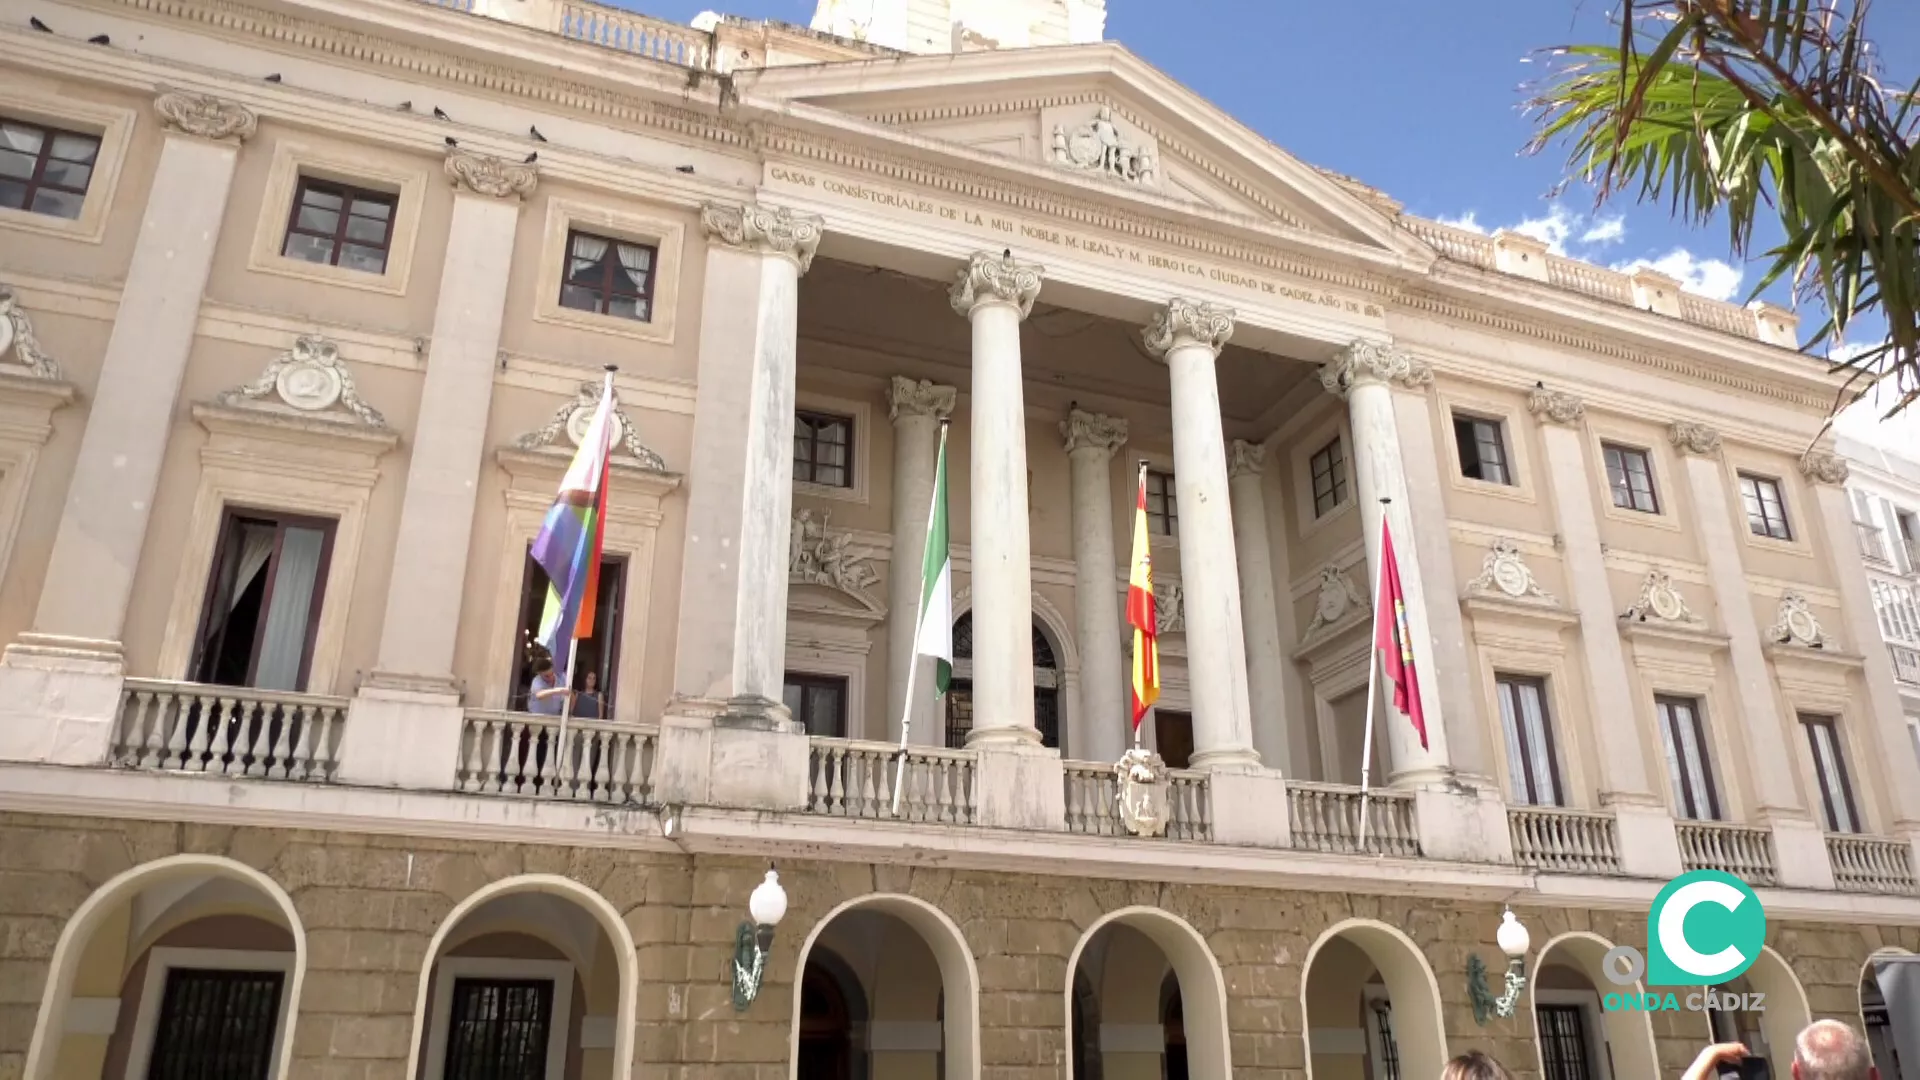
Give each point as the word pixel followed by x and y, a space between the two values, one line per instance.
pixel 1417 100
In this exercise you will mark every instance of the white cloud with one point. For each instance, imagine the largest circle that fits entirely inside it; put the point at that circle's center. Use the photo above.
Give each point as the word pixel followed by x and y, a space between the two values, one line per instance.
pixel 1551 230
pixel 1605 231
pixel 1559 228
pixel 1465 221
pixel 1710 278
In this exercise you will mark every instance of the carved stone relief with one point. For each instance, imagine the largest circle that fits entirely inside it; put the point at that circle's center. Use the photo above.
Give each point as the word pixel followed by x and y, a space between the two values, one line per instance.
pixel 768 230
pixel 484 174
pixel 1141 798
pixel 991 278
pixel 1660 602
pixel 1339 599
pixel 1169 608
pixel 204 115
pixel 1823 467
pixel 1795 624
pixel 1244 458
pixel 819 555
pixel 1554 405
pixel 1506 572
pixel 309 378
pixel 1083 430
pixel 1691 438
pixel 1098 147
pixel 1183 322
pixel 905 397
pixel 20 350
pixel 571 420
pixel 1373 362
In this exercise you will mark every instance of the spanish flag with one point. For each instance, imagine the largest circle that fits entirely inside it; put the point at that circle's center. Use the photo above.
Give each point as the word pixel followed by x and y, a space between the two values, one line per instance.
pixel 1146 651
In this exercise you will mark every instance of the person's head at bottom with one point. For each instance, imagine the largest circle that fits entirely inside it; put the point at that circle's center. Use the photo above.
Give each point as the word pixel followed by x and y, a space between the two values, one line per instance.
pixel 1831 1050
pixel 542 666
pixel 1474 1065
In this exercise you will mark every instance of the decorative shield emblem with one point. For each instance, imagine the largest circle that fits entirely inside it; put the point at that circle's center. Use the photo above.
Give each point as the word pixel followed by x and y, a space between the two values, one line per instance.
pixel 1142 792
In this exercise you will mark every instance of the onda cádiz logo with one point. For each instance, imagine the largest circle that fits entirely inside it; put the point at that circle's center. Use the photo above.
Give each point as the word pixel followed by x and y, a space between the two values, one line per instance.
pixel 1706 928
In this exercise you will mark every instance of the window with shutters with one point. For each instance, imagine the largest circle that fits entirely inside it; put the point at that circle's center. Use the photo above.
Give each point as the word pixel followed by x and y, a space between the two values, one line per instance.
pixel 1840 812
pixel 1684 738
pixel 1533 764
pixel 216 1025
pixel 499 1029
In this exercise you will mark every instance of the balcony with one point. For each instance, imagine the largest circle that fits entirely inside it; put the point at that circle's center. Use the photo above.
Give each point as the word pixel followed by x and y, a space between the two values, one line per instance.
pixel 1327 817
pixel 1740 850
pixel 228 731
pixel 1871 864
pixel 1093 802
pixel 852 779
pixel 507 753
pixel 1565 841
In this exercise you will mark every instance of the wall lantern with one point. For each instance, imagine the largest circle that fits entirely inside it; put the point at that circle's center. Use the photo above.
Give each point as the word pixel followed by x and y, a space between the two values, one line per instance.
pixel 1514 941
pixel 751 943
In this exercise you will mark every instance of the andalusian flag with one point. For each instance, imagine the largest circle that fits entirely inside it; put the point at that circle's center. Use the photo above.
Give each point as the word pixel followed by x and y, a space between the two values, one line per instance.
pixel 935 636
pixel 568 547
pixel 1140 613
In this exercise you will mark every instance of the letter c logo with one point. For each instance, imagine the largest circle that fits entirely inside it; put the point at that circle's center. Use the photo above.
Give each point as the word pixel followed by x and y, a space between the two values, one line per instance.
pixel 1673 933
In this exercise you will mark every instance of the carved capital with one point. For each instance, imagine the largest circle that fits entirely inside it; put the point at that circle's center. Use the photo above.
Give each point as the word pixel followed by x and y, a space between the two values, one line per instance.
pixel 1691 438
pixel 20 351
pixel 1084 430
pixel 1555 406
pixel 1183 322
pixel 482 174
pixel 1823 467
pixel 204 116
pixel 1371 362
pixel 905 397
pixel 765 230
pixel 1246 458
pixel 996 279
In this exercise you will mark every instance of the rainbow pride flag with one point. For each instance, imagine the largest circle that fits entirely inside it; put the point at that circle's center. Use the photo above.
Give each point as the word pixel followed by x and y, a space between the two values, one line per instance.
pixel 568 547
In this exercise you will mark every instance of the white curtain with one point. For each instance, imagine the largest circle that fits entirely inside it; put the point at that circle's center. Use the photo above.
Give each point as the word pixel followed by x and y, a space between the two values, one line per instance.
pixel 636 261
pixel 589 248
pixel 256 547
pixel 284 643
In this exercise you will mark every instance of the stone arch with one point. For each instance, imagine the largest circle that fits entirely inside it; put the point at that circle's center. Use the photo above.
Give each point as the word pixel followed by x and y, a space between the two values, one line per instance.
pixel 1203 990
pixel 1418 1029
pixel 1629 1034
pixel 1055 631
pixel 50 1027
pixel 959 1008
pixel 1788 1011
pixel 565 889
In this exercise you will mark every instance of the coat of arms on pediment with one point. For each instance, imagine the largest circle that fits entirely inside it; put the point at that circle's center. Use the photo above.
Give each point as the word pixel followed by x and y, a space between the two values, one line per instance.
pixel 1141 792
pixel 309 379
pixel 1097 146
pixel 570 422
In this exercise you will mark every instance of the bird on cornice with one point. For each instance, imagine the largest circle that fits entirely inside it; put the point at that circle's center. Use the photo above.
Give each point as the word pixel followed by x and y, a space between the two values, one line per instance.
pixel 451 141
pixel 405 106
pixel 535 132
pixel 440 113
pixel 99 39
pixel 531 158
pixel 274 78
pixel 35 22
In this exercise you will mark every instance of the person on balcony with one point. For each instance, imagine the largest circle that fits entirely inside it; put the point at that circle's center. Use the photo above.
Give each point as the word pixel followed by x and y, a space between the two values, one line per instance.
pixel 546 697
pixel 587 704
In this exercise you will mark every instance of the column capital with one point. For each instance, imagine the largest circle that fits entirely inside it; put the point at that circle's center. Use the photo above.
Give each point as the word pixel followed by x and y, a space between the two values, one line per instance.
pixel 1691 438
pixel 996 279
pixel 1823 467
pixel 484 174
pixel 765 230
pixel 204 116
pixel 1373 362
pixel 1184 322
pixel 905 397
pixel 1555 406
pixel 1246 458
pixel 1084 430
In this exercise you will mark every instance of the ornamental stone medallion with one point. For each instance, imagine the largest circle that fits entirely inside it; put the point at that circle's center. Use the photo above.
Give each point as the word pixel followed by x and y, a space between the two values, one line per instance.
pixel 1141 799
pixel 20 350
pixel 572 420
pixel 1097 147
pixel 1795 624
pixel 1506 572
pixel 204 116
pixel 1339 598
pixel 308 379
pixel 1661 602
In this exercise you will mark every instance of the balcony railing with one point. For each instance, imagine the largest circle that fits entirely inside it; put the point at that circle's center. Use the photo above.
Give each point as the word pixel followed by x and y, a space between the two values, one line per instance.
pixel 510 753
pixel 846 778
pixel 1871 864
pixel 636 34
pixel 1326 817
pixel 228 731
pixel 1093 802
pixel 1744 852
pixel 1461 245
pixel 1190 805
pixel 1564 841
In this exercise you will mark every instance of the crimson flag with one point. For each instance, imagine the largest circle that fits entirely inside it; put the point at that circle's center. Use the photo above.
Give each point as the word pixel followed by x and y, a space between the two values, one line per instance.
pixel 1393 637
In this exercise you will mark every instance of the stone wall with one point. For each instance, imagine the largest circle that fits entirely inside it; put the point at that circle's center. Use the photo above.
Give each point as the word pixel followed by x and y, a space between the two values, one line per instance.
pixel 371 904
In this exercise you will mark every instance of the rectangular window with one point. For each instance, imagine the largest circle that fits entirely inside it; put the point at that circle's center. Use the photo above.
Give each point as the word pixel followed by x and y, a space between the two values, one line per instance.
pixel 1685 740
pixel 1908 541
pixel 1329 468
pixel 1163 511
pixel 596 660
pixel 216 1025
pixel 340 225
pixel 609 277
pixel 1630 475
pixel 819 702
pixel 45 170
pixel 823 449
pixel 1563 1042
pixel 1173 737
pixel 262 608
pixel 1830 768
pixel 1766 507
pixel 1386 1050
pixel 1531 760
pixel 1483 449
pixel 498 1029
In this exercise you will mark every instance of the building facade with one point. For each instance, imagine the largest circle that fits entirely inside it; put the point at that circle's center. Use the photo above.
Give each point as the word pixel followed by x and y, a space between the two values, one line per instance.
pixel 305 307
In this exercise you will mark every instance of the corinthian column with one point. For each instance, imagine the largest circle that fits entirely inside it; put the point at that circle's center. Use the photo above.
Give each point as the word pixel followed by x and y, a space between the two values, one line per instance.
pixel 1188 337
pixel 60 682
pixel 995 292
pixel 917 408
pixel 1091 439
pixel 1266 668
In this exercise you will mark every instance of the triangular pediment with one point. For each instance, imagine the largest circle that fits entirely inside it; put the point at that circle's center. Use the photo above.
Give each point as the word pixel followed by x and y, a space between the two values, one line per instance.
pixel 1098 114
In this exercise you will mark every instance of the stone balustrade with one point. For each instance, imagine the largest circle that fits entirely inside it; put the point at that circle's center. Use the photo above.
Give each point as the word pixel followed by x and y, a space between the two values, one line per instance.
pixel 853 779
pixel 628 32
pixel 228 731
pixel 511 753
pixel 1871 864
pixel 1327 817
pixel 1565 841
pixel 1740 850
pixel 1189 805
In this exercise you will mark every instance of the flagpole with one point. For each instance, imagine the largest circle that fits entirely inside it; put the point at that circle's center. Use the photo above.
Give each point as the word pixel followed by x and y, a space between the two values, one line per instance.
pixel 573 653
pixel 919 613
pixel 1373 675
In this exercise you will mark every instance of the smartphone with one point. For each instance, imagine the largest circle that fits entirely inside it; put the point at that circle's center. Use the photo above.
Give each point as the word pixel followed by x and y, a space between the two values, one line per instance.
pixel 1747 1068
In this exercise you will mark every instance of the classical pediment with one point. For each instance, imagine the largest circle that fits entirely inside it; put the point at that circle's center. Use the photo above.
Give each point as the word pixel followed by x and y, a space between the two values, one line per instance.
pixel 1098 114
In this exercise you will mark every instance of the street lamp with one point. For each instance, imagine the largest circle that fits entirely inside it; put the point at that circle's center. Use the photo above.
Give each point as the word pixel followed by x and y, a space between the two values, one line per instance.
pixel 751 943
pixel 1514 941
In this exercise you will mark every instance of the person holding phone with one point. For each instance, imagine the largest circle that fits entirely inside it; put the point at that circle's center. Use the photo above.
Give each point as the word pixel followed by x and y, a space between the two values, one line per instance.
pixel 1825 1050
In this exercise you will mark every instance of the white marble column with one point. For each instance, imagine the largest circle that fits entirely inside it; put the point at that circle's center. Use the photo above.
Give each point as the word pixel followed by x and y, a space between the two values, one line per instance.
pixel 1091 439
pixel 995 292
pixel 1188 337
pixel 60 682
pixel 1259 611
pixel 917 408
pixel 449 444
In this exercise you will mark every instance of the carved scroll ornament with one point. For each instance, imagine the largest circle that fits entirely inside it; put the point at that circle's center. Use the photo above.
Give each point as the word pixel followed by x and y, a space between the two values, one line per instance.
pixel 309 378
pixel 204 115
pixel 1183 322
pixel 19 348
pixel 990 278
pixel 572 419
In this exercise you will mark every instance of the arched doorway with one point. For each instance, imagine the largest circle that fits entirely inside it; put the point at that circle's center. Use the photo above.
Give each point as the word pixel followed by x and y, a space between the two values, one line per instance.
pixel 1577 1039
pixel 1368 979
pixel 1046 686
pixel 1768 1032
pixel 875 978
pixel 1887 1026
pixel 1148 1001
pixel 202 958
